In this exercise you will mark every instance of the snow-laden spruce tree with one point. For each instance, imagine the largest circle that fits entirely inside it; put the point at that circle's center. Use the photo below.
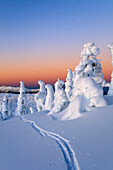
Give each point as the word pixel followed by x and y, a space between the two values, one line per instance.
pixel 89 78
pixel 49 103
pixel 110 92
pixel 5 107
pixel 69 83
pixel 61 101
pixel 40 97
pixel 90 66
pixel 21 104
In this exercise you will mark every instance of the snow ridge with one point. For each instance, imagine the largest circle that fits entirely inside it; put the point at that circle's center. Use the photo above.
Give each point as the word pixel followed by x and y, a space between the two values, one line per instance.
pixel 68 152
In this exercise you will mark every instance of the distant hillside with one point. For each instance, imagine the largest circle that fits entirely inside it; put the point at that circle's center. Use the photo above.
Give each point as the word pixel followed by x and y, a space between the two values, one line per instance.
pixel 15 90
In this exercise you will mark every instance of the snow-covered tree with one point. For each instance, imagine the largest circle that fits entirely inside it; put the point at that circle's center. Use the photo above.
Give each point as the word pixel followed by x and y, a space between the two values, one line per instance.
pixel 69 84
pixel 49 103
pixel 90 49
pixel 110 92
pixel 40 97
pixel 5 107
pixel 89 66
pixel 89 78
pixel 61 101
pixel 93 67
pixel 21 104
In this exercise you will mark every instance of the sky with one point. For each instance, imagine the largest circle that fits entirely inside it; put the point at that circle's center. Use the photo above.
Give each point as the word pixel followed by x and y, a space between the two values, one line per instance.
pixel 41 39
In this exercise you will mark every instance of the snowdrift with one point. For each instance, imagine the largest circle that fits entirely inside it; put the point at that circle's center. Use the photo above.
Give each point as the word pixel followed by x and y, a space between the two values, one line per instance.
pixel 74 110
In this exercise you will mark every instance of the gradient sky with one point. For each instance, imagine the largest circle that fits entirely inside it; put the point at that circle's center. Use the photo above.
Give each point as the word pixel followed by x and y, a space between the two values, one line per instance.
pixel 41 39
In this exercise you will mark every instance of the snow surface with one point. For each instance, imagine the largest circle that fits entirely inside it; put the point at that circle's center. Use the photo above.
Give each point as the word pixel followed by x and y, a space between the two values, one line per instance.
pixel 90 136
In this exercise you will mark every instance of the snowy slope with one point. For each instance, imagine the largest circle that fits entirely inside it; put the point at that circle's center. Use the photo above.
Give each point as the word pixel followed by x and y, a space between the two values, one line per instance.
pixel 91 137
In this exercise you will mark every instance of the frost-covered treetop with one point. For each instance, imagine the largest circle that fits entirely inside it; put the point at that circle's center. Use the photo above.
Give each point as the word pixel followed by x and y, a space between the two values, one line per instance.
pixel 49 88
pixel 59 84
pixel 89 67
pixel 22 88
pixel 42 85
pixel 69 70
pixel 90 49
pixel 69 74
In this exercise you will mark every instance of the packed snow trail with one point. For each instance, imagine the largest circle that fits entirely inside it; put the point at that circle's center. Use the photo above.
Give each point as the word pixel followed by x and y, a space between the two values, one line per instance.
pixel 68 152
pixel 64 151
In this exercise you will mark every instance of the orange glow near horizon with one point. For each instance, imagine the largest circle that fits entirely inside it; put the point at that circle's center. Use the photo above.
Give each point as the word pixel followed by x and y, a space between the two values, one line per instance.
pixel 30 71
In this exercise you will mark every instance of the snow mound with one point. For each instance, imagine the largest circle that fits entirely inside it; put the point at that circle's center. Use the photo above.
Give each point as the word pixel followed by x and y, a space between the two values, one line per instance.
pixel 87 86
pixel 75 109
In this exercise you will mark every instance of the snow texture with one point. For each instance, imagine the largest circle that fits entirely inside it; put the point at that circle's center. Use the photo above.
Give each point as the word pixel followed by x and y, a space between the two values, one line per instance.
pixel 68 152
pixel 90 136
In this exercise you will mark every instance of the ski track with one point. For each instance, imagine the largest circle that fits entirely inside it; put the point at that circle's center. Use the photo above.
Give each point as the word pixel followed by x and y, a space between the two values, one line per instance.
pixel 67 151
